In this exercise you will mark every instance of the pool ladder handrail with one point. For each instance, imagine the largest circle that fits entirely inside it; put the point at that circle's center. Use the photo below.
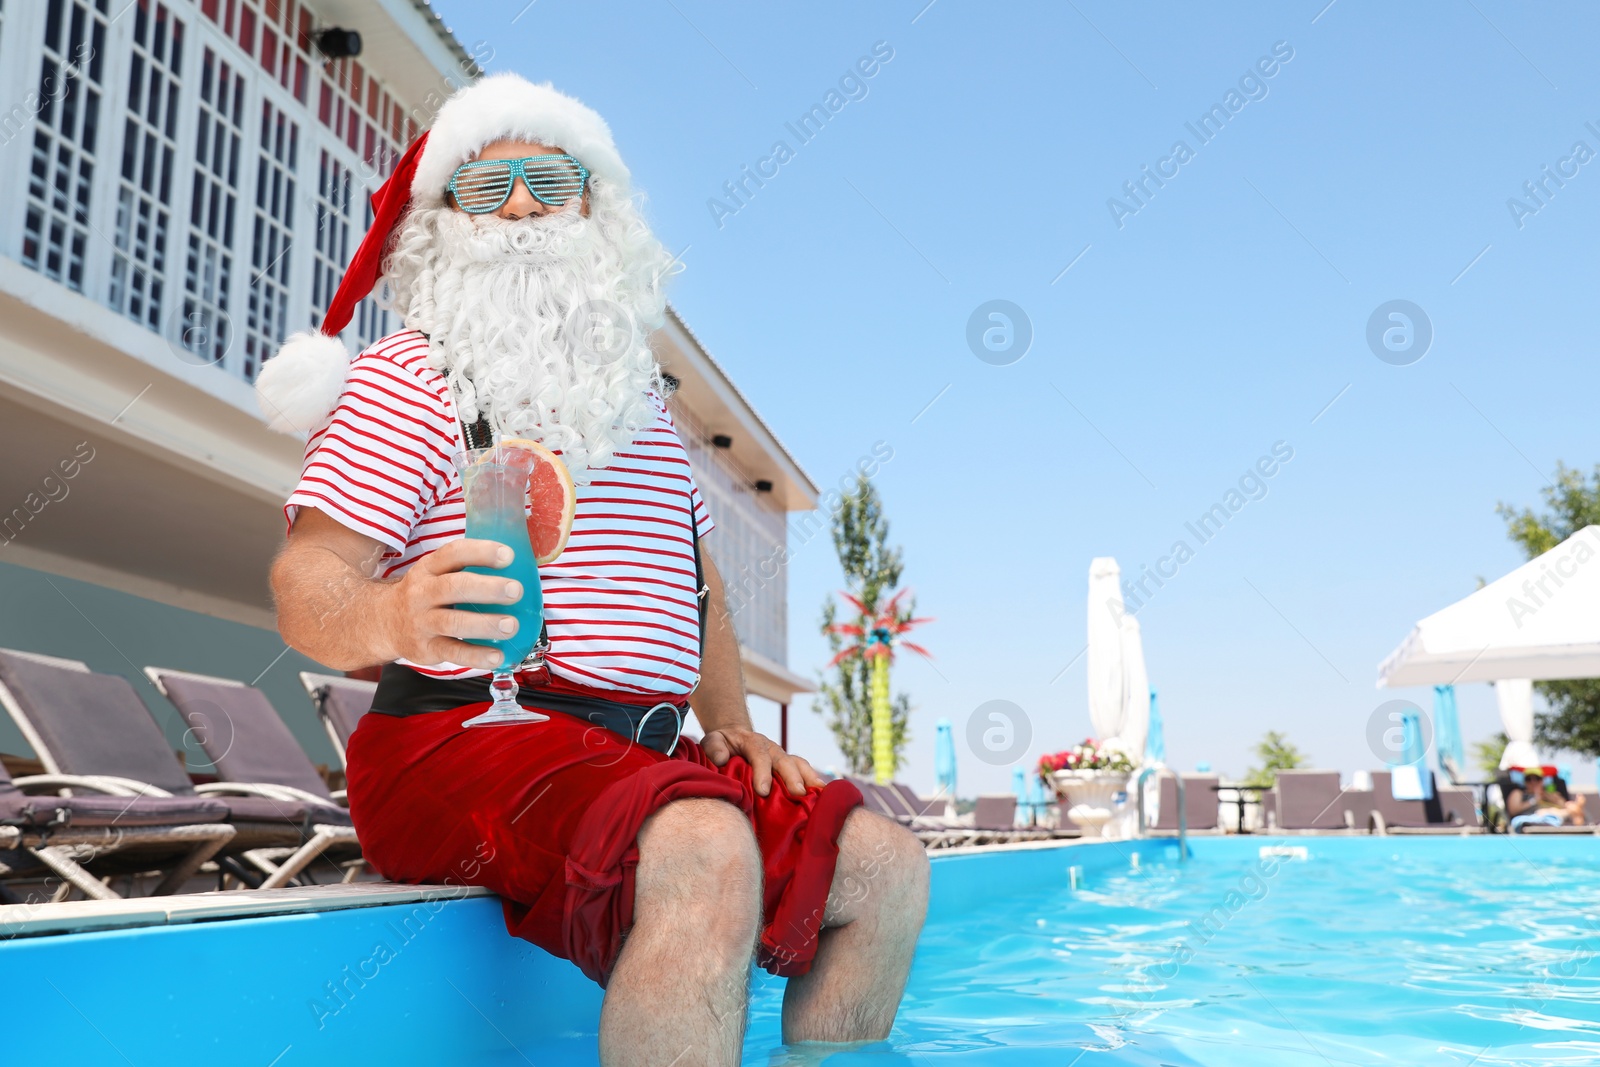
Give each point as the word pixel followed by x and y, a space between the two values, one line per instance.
pixel 1183 807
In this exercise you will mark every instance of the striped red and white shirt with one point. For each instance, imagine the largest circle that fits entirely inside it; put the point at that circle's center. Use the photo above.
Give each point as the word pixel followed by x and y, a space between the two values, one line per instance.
pixel 619 602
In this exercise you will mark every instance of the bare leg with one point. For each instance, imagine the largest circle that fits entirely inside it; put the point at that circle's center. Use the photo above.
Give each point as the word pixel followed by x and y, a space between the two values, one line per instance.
pixel 680 988
pixel 875 911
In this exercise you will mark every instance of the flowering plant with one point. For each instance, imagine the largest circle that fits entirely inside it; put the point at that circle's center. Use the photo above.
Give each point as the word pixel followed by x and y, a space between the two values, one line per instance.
pixel 1088 756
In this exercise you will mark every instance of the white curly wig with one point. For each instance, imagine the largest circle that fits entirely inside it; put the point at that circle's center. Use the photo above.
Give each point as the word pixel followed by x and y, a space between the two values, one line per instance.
pixel 542 325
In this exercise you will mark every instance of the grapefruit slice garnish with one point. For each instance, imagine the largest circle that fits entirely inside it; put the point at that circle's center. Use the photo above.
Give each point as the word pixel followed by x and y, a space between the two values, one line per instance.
pixel 551 500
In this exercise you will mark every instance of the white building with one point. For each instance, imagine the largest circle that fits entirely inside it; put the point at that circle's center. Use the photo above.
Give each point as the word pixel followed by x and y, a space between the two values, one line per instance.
pixel 181 185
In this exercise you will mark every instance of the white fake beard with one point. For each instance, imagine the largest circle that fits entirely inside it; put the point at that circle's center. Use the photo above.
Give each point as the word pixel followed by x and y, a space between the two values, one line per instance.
pixel 541 325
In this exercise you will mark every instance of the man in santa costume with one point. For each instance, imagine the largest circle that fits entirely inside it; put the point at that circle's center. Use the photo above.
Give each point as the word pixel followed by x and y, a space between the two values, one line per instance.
pixel 656 864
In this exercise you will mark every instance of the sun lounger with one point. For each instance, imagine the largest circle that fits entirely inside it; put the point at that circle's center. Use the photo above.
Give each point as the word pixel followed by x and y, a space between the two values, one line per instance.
pixel 84 839
pixel 916 805
pixel 992 822
pixel 255 755
pixel 1361 804
pixel 340 703
pixel 1453 810
pixel 1313 802
pixel 95 725
pixel 995 812
pixel 244 736
pixel 890 801
pixel 1200 804
pixel 881 800
pixel 1269 809
pixel 1528 827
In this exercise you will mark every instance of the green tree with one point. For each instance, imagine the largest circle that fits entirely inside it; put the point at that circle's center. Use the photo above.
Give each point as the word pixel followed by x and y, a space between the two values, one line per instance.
pixel 1276 754
pixel 872 569
pixel 1486 754
pixel 1573 502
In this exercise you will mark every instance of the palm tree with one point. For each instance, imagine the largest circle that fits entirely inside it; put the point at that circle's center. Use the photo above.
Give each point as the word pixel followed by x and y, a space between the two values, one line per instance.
pixel 877 636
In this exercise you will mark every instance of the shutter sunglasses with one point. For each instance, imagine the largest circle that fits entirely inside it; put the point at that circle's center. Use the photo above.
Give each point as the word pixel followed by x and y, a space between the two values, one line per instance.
pixel 481 187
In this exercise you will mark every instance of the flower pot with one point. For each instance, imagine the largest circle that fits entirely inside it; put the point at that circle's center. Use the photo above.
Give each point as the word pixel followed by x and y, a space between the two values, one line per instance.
pixel 1092 799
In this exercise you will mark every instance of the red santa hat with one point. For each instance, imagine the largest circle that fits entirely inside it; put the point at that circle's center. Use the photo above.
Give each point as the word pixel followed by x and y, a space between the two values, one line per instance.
pixel 300 384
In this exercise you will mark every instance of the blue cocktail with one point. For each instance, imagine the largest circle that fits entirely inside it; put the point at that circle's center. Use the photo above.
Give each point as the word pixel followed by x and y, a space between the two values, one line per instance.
pixel 494 483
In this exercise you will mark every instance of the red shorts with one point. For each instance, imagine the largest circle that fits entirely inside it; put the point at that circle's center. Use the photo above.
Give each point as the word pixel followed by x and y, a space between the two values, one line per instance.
pixel 547 814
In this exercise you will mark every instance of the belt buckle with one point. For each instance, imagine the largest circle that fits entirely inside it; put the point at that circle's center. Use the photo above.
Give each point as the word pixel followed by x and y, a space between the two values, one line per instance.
pixel 638 731
pixel 533 670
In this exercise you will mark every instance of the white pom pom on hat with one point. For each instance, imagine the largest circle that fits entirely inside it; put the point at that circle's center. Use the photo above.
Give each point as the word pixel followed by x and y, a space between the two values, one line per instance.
pixel 299 385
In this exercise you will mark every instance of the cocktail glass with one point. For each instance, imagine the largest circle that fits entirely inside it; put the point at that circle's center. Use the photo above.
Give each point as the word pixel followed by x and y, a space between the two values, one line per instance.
pixel 494 482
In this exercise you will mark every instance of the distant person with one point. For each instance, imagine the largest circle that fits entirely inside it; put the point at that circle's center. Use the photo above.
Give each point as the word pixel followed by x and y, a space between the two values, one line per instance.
pixel 1540 802
pixel 658 864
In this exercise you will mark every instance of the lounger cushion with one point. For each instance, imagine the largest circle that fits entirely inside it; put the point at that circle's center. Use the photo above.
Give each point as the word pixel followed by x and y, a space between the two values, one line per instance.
pixel 20 809
pixel 264 809
pixel 90 810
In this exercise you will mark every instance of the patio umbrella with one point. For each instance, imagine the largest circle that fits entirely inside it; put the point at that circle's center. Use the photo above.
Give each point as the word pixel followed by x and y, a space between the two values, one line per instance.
pixel 1019 786
pixel 1135 727
pixel 944 759
pixel 1104 664
pixel 1447 732
pixel 1515 697
pixel 1155 745
pixel 1541 621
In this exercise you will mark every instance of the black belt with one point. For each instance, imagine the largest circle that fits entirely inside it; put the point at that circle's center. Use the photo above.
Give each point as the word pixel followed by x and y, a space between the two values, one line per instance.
pixel 403 691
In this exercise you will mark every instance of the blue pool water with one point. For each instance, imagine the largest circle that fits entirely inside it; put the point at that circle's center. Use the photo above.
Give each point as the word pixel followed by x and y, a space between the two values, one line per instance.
pixel 1354 951
pixel 1339 951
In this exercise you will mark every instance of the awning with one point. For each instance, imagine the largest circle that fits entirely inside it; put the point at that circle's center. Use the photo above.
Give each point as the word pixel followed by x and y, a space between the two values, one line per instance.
pixel 1541 621
pixel 766 678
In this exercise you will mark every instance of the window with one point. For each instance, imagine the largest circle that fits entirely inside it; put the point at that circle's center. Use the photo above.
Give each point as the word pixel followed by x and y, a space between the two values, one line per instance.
pixel 275 197
pixel 224 131
pixel 358 109
pixel 284 28
pixel 747 545
pixel 333 234
pixel 208 270
pixel 336 192
pixel 65 140
pixel 372 321
pixel 149 151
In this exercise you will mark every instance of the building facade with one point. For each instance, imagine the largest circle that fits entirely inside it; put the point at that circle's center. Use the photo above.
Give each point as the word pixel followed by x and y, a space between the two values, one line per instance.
pixel 202 168
pixel 181 186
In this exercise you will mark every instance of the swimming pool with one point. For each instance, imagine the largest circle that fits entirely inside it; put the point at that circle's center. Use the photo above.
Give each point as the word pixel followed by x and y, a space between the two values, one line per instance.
pixel 1281 951
pixel 1325 951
